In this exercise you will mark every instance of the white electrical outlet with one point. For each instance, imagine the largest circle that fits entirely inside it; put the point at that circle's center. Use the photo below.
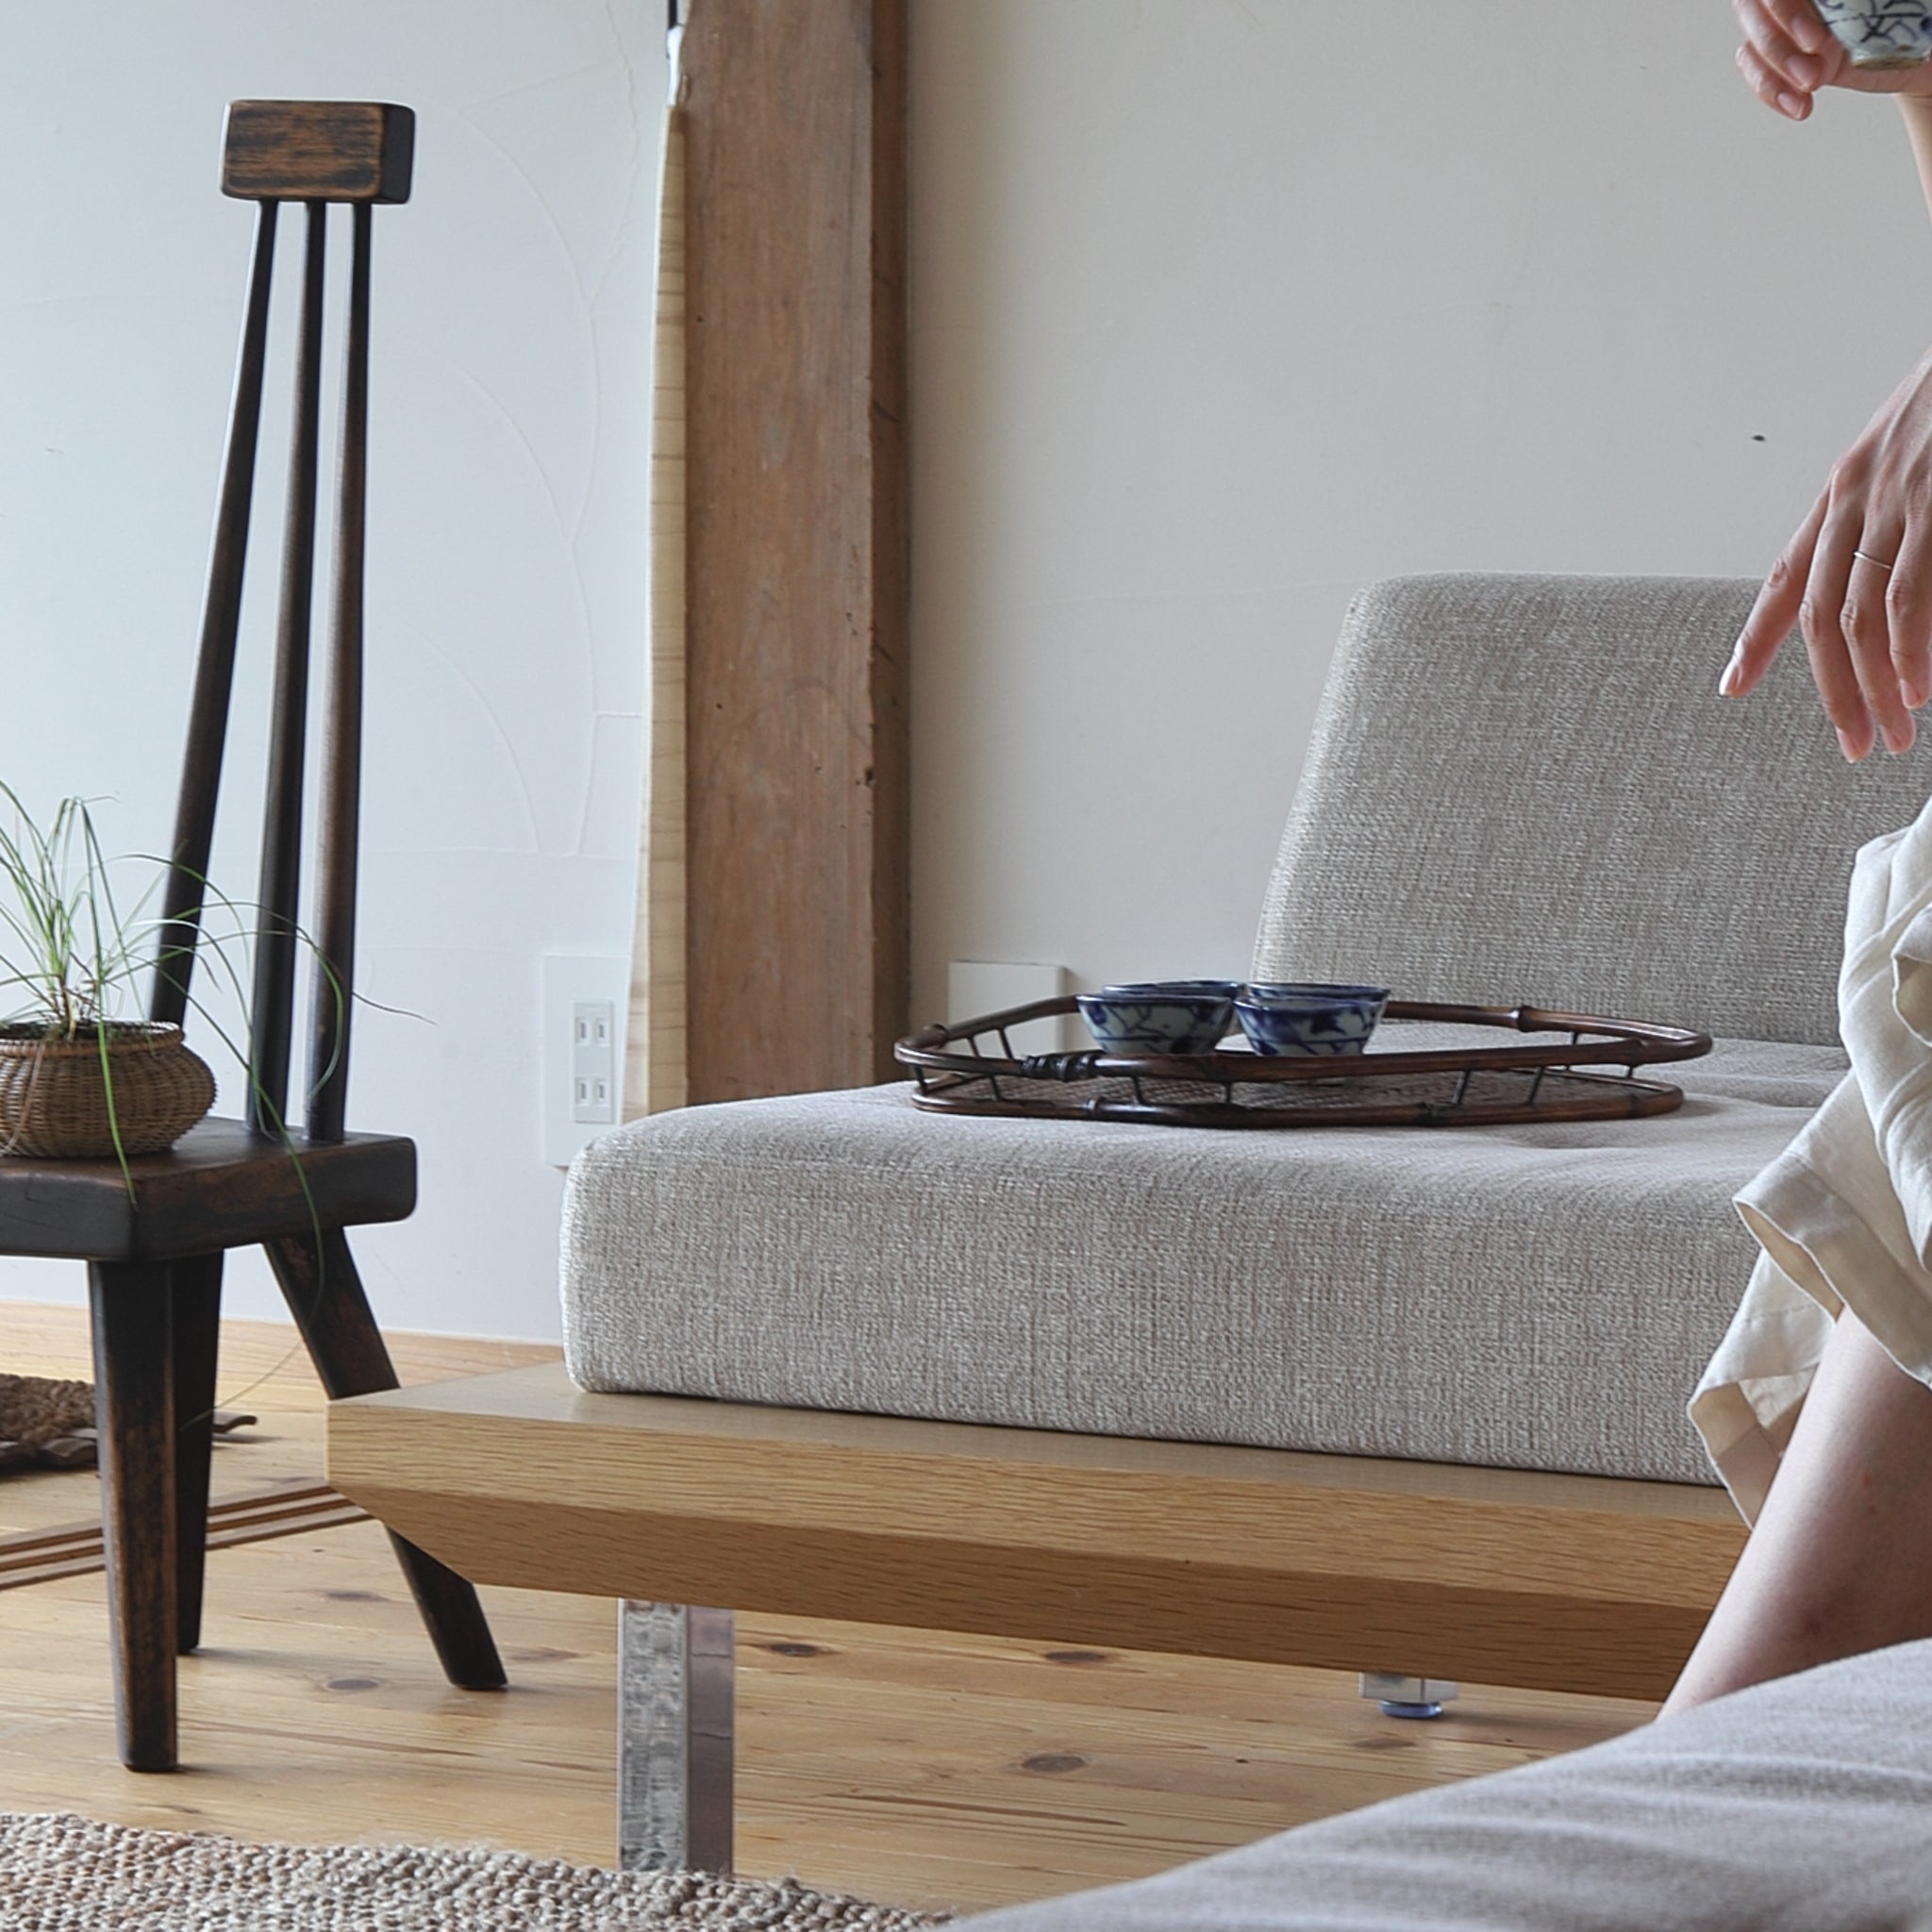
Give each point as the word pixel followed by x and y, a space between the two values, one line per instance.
pixel 592 1063
pixel 584 1006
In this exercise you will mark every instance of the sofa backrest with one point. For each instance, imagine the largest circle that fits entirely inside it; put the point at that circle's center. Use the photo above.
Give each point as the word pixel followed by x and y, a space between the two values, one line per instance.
pixel 1527 788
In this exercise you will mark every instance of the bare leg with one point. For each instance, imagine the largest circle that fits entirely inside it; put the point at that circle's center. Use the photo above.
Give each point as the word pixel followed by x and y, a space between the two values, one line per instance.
pixel 1841 1559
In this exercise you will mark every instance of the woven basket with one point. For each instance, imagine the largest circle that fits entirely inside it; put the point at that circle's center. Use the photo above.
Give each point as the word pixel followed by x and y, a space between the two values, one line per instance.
pixel 53 1100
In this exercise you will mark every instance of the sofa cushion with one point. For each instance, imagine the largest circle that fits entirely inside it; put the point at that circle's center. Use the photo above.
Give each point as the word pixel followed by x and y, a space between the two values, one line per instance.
pixel 1801 1804
pixel 1527 788
pixel 1532 1296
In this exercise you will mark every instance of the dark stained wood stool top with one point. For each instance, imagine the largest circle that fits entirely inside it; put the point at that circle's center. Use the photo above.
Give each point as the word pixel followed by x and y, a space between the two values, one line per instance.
pixel 218 1187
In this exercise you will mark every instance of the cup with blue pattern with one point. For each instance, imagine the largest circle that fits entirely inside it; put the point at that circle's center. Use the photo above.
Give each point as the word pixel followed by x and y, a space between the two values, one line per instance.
pixel 1879 34
pixel 1161 1016
pixel 1308 1019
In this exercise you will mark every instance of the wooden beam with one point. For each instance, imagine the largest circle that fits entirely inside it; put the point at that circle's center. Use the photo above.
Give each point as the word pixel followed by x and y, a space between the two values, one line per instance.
pixel 795 151
pixel 1503 1577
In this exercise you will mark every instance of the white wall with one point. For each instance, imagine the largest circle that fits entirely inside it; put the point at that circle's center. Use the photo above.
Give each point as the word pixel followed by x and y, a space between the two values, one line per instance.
pixel 1217 315
pixel 1223 308
pixel 506 596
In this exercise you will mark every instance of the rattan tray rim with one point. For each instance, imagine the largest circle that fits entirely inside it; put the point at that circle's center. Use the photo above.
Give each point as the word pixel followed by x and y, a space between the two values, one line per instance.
pixel 1626 1044
pixel 1559 1089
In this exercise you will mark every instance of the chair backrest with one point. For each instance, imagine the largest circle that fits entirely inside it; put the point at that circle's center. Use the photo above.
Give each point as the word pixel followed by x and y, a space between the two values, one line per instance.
pixel 317 153
pixel 1526 788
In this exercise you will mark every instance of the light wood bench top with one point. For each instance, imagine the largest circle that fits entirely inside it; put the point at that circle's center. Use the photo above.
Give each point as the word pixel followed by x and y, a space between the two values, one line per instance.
pixel 1545 1581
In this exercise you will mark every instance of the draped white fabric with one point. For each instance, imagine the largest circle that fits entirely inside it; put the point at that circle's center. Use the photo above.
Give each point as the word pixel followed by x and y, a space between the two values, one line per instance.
pixel 1844 1215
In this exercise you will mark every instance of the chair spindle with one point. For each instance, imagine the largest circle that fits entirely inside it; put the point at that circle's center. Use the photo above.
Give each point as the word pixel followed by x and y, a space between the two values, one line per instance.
pixel 278 910
pixel 334 981
pixel 214 672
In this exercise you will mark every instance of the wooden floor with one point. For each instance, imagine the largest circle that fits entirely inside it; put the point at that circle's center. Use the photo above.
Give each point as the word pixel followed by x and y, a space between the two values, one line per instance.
pixel 915 1768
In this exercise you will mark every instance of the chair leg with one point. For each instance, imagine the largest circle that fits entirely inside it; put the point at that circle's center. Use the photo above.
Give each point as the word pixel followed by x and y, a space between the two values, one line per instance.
pixel 197 1317
pixel 325 1295
pixel 134 1410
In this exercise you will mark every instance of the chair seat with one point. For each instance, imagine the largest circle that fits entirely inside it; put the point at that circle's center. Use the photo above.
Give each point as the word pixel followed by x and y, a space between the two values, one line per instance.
pixel 218 1187
pixel 1523 1296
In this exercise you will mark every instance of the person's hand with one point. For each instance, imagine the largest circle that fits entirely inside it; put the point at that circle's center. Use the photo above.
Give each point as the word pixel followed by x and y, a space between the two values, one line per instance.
pixel 1789 54
pixel 1856 579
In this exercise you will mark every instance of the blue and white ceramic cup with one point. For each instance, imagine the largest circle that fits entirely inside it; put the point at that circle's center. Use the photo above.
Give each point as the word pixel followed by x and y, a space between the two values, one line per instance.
pixel 1309 1020
pixel 1161 1016
pixel 1880 33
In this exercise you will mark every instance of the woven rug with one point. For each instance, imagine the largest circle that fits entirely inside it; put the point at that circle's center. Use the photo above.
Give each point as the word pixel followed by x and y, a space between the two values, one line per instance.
pixel 36 1414
pixel 61 1874
pixel 50 1424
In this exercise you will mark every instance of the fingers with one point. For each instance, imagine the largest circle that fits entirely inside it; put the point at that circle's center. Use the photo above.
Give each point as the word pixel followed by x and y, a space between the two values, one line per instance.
pixel 1864 624
pixel 1788 54
pixel 1909 609
pixel 1867 629
pixel 1775 615
pixel 1773 88
pixel 1821 618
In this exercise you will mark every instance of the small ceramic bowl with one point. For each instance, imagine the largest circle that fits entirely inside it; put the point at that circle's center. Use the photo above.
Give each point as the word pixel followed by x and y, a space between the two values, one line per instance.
pixel 1880 33
pixel 1161 1016
pixel 1301 1019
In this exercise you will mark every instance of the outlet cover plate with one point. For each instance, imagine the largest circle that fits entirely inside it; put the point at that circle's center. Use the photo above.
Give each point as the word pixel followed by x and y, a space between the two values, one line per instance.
pixel 573 980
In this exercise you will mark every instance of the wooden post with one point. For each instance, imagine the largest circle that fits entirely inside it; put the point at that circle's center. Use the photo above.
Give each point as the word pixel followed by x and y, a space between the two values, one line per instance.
pixel 796 147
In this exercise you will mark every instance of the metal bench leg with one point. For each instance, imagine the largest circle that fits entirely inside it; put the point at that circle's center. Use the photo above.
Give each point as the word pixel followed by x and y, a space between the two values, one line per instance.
pixel 674 1738
pixel 1401 1696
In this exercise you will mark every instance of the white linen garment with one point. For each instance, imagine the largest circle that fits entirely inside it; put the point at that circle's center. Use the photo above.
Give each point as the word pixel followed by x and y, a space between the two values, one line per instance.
pixel 1844 1215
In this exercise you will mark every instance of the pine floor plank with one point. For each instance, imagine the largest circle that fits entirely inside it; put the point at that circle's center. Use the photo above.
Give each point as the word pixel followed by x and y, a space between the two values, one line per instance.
pixel 914 1766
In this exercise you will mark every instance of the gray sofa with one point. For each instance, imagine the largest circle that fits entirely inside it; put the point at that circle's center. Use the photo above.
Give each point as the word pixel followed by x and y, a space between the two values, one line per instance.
pixel 1408 1401
pixel 1519 788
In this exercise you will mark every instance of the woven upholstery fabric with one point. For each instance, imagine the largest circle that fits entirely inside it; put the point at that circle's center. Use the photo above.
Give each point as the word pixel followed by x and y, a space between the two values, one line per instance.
pixel 1527 788
pixel 1800 1805
pixel 1534 1296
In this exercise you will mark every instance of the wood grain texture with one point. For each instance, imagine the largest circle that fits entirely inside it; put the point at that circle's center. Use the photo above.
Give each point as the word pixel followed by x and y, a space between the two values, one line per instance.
pixel 926 1767
pixel 339 831
pixel 654 1039
pixel 218 1186
pixel 1552 1582
pixel 795 156
pixel 75 1549
pixel 134 1405
pixel 276 942
pixel 195 1287
pixel 318 151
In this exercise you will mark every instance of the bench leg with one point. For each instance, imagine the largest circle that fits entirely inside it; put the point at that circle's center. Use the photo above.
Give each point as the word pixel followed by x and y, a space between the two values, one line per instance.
pixel 1401 1696
pixel 674 1738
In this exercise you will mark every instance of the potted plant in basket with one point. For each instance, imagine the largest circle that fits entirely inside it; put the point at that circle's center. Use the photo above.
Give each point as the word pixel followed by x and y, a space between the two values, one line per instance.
pixel 76 1079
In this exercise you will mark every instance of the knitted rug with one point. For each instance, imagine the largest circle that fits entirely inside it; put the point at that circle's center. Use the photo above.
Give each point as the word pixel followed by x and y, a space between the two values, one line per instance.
pixel 61 1874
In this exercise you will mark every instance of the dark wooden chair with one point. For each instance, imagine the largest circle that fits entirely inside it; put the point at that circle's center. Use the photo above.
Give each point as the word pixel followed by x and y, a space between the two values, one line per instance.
pixel 154 1242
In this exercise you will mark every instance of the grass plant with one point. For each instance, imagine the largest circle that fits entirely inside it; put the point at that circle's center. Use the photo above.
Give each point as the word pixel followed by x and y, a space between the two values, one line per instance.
pixel 74 954
pixel 68 953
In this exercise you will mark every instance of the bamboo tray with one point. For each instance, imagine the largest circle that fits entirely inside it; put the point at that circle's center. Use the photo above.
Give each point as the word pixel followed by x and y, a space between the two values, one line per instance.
pixel 968 1067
